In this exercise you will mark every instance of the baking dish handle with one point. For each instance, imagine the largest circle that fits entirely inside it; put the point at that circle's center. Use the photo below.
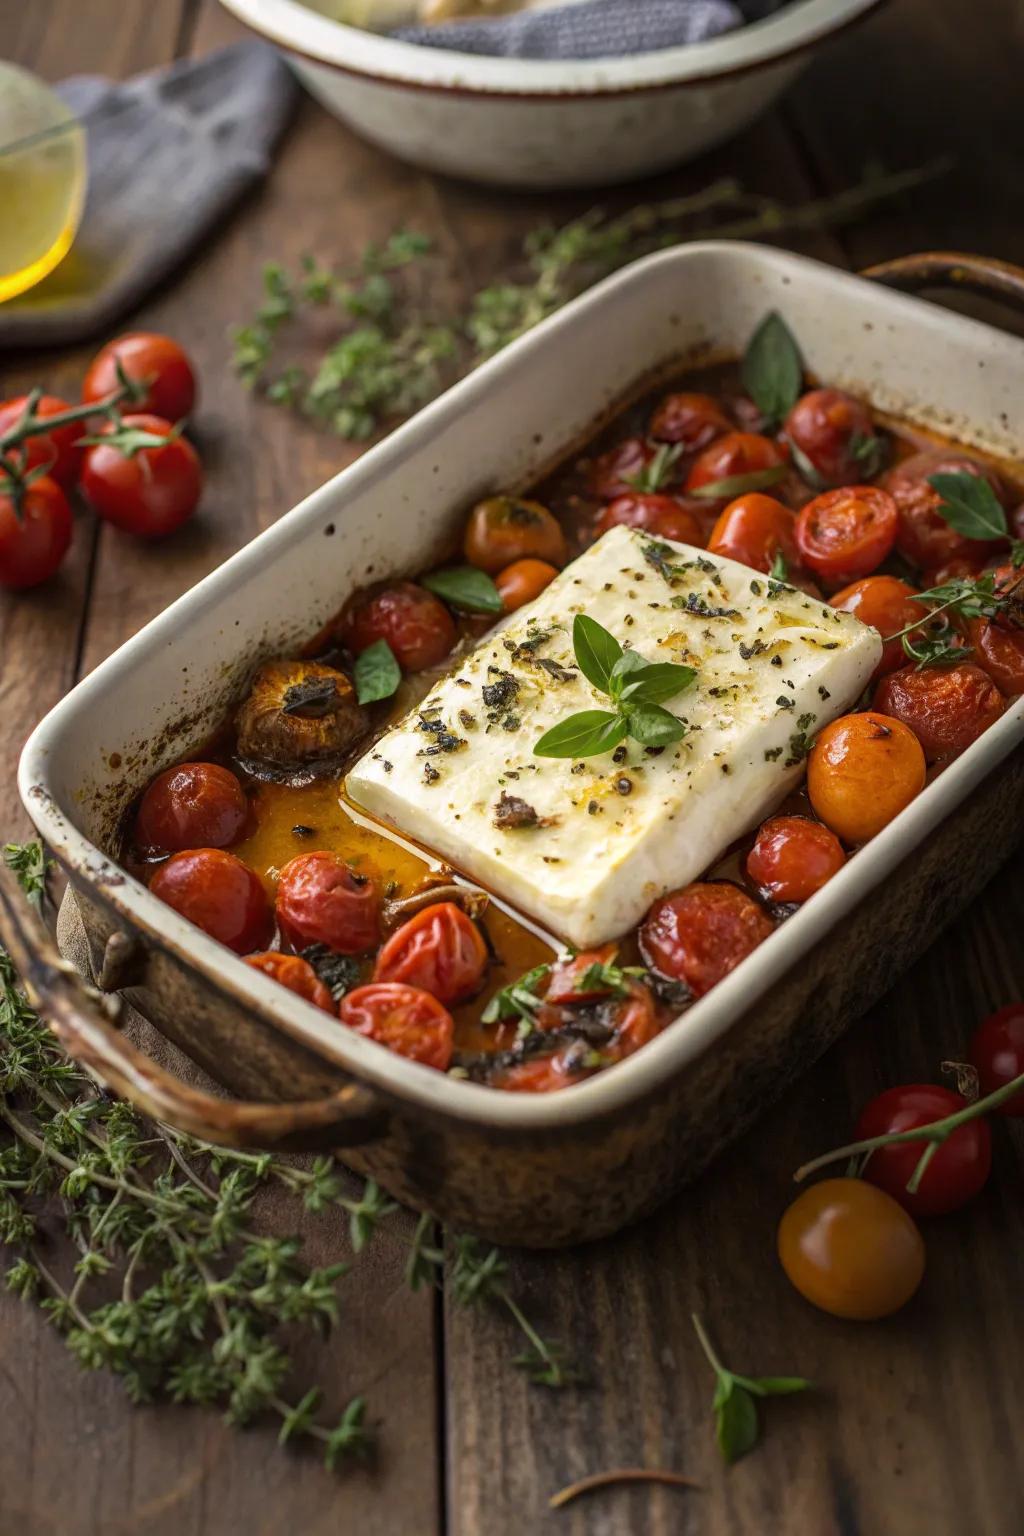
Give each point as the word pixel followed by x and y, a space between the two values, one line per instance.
pixel 81 1018
pixel 985 275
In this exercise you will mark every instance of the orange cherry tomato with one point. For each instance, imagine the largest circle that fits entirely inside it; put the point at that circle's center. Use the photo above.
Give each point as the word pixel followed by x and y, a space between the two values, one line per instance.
pixel 847 533
pixel 793 857
pixel 662 516
pixel 416 624
pixel 321 900
pixel 888 605
pixel 862 770
pixel 35 537
pixel 613 473
pixel 439 950
pixel 145 357
pixel 219 894
pixel 195 805
pixel 690 419
pixel 946 707
pixel 701 933
pixel 409 1022
pixel 833 431
pixel 503 529
pixel 849 1249
pixel 149 492
pixel 737 453
pixel 753 529
pixel 566 983
pixel 296 974
pixel 522 581
pixel 999 651
pixel 924 537
pixel 57 448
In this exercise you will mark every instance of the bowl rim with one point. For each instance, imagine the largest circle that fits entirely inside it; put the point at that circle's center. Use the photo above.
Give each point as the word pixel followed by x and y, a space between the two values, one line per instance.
pixel 320 41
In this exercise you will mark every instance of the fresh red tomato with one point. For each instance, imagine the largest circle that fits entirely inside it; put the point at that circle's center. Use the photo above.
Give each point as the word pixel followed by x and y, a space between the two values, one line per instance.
pixel 614 473
pixel 845 534
pixel 146 491
pixel 737 453
pixel 754 529
pixel 835 434
pixel 409 1022
pixel 296 974
pixel 321 900
pixel 957 1171
pixel 416 624
pixel 504 529
pixel 56 448
pixel 689 419
pixel 849 1249
pixel 566 984
pixel 888 605
pixel 219 894
pixel 701 933
pixel 522 581
pixel 793 857
pixel 946 707
pixel 195 805
pixel 440 950
pixel 662 516
pixel 34 540
pixel 147 358
pixel 996 1052
pixel 924 537
pixel 862 771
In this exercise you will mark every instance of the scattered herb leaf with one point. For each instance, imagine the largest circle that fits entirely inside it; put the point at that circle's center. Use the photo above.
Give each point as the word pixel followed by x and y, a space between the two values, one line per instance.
pixel 739 485
pixel 465 587
pixel 772 369
pixel 734 1406
pixel 376 673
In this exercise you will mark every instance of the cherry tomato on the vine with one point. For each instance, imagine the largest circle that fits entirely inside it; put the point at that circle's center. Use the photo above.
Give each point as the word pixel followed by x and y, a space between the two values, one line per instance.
pixel 149 491
pixel 56 448
pixel 440 950
pixel 416 624
pixel 408 1021
pixel 701 933
pixel 955 1173
pixel 296 974
pixel 195 805
pixel 851 1250
pixel 793 857
pixel 321 900
pixel 34 538
pixel 996 1052
pixel 219 894
pixel 146 357
pixel 846 533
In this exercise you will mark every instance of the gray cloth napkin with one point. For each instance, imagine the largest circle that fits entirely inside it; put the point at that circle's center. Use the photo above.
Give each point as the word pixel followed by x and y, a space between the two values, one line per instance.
pixel 599 29
pixel 169 154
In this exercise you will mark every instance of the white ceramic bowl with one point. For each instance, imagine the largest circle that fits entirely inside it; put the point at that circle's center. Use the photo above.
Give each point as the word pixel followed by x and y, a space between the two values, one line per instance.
pixel 546 123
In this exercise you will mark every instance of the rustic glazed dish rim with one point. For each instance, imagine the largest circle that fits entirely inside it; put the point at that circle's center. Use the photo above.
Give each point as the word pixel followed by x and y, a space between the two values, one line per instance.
pixel 707 1019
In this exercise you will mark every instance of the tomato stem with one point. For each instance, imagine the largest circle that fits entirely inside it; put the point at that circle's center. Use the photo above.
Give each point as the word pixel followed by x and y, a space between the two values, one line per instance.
pixel 707 1346
pixel 29 424
pixel 914 1182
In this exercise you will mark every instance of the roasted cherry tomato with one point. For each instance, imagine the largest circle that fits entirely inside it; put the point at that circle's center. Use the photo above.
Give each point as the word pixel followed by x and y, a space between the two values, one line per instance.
pixel 862 770
pixel 505 528
pixel 737 453
pixel 219 894
pixel 701 933
pixel 957 1171
pixel 146 491
pixel 754 529
pixel 35 538
pixel 946 707
pixel 145 358
pixel 196 805
pixel 834 433
pixel 540 1074
pixel 689 419
pixel 616 472
pixel 294 973
pixel 888 605
pixel 522 581
pixel 321 900
pixel 996 1052
pixel 924 537
pixel 847 533
pixel 440 950
pixel 999 651
pixel 415 623
pixel 57 448
pixel 793 857
pixel 662 516
pixel 636 1021
pixel 409 1022
pixel 848 1248
pixel 569 981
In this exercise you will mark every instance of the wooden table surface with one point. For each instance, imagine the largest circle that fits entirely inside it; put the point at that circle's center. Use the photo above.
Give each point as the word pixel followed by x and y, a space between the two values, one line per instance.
pixel 913 1430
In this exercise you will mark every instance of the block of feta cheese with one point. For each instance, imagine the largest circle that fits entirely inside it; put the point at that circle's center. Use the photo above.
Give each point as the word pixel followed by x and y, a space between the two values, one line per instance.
pixel 584 847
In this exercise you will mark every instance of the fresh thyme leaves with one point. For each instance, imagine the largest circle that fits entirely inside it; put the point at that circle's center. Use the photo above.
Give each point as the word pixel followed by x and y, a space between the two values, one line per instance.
pixel 29 864
pixel 376 673
pixel 463 586
pixel 739 485
pixel 635 687
pixel 964 597
pixel 773 370
pixel 944 646
pixel 734 1405
pixel 519 1000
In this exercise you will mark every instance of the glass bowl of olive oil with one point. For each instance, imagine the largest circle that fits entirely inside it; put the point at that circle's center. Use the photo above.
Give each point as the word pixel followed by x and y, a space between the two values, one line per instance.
pixel 42 179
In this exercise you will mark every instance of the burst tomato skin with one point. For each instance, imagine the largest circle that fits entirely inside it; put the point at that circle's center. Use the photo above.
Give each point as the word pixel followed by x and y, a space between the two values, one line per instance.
pixel 503 529
pixel 753 529
pixel 849 1249
pixel 692 420
pixel 793 857
pixel 151 493
pixel 522 581
pixel 56 448
pixel 416 624
pixel 145 355
pixel 737 453
pixel 33 544
pixel 409 1022
pixel 612 474
pixel 847 533
pixel 947 708
pixel 701 933
pixel 999 652
pixel 296 974
pixel 958 1170
pixel 662 516
pixel 996 1052
pixel 886 604
pixel 861 772
pixel 195 805
pixel 216 891
pixel 924 537
pixel 320 900
pixel 439 950
pixel 826 425
pixel 565 980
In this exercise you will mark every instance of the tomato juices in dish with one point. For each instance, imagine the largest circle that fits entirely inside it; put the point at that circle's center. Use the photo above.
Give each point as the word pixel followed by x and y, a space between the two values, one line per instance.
pixel 732 555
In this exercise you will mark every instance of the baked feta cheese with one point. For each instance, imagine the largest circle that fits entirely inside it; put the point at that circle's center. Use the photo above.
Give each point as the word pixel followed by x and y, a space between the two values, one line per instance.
pixel 584 847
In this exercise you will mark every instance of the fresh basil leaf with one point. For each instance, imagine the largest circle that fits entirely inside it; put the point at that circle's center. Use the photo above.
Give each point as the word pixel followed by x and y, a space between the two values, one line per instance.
pixel 376 673
pixel 970 505
pixel 773 373
pixel 465 587
pixel 739 485
pixel 736 1425
pixel 629 662
pixel 587 734
pixel 655 681
pixel 774 1386
pixel 653 726
pixel 596 651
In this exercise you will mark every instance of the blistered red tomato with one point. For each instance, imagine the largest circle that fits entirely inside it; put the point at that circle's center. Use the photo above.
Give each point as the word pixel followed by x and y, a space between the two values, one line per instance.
pixel 416 624
pixel 146 491
pixel 834 433
pixel 507 528
pixel 195 805
pixel 737 453
pixel 409 1022
pixel 296 974
pixel 847 533
pixel 862 771
pixel 322 900
pixel 998 648
pixel 662 516
pixel 849 1249
pixel 35 536
pixel 888 605
pixel 754 529
pixel 924 536
pixel 219 894
pixel 996 1052
pixel 957 1171
pixel 946 707
pixel 692 420
pixel 522 581
pixel 56 448
pixel 440 950
pixel 793 857
pixel 145 357
pixel 701 933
